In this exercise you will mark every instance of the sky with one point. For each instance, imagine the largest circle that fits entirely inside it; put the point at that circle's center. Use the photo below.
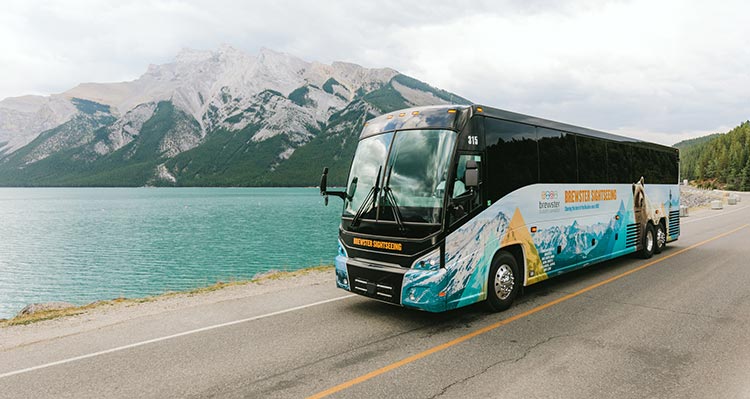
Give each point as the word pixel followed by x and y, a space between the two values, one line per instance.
pixel 660 71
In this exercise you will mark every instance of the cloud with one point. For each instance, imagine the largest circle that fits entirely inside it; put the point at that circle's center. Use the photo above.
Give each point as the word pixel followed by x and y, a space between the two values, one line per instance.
pixel 673 67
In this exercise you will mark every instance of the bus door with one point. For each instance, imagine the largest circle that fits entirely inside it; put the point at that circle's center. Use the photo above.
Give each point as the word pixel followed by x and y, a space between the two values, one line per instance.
pixel 465 200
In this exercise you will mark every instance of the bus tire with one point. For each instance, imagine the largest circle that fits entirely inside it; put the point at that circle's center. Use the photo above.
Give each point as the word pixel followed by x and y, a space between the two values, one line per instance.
pixel 660 238
pixel 648 242
pixel 503 283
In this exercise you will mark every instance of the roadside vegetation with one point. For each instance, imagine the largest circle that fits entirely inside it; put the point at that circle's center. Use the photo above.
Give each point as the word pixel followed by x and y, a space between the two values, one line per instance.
pixel 77 310
pixel 718 161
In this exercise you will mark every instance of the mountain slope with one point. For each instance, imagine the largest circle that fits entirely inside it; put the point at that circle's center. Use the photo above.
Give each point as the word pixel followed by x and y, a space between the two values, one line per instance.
pixel 333 148
pixel 23 118
pixel 718 160
pixel 221 118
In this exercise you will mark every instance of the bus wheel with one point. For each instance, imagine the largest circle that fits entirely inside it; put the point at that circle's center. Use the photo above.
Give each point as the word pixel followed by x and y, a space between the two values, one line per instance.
pixel 504 282
pixel 661 238
pixel 649 242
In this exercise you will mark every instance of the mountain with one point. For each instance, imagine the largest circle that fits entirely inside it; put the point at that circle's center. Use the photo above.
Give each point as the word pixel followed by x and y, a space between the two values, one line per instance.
pixel 718 160
pixel 209 118
pixel 23 118
pixel 575 241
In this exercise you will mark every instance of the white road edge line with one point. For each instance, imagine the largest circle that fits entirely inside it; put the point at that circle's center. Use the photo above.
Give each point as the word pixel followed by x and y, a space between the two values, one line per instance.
pixel 710 216
pixel 182 334
pixel 230 323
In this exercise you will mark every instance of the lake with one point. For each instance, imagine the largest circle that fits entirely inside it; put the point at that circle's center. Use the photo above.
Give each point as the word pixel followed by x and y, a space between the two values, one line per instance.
pixel 80 245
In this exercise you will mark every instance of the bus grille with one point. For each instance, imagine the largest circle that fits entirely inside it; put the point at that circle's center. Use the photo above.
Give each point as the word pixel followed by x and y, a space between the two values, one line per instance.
pixel 674 223
pixel 633 235
pixel 378 284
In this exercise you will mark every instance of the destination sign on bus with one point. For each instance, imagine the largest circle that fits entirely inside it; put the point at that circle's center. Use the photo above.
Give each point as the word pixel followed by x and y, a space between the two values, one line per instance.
pixel 393 246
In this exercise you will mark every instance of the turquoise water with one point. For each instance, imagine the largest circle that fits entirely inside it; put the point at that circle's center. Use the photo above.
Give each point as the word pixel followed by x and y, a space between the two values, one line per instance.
pixel 84 244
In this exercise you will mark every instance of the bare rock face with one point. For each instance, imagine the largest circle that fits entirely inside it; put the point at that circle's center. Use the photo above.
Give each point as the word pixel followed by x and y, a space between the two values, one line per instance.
pixel 42 307
pixel 237 114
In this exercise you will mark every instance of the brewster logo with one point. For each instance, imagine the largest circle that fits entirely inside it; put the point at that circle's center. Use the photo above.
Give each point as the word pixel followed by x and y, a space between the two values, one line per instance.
pixel 549 195
pixel 549 202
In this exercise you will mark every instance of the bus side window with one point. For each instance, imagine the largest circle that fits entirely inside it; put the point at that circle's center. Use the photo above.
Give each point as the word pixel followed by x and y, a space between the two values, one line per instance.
pixel 592 160
pixel 619 163
pixel 512 157
pixel 557 156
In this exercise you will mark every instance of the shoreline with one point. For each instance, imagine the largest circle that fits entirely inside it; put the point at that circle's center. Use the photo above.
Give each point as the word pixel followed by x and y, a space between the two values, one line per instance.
pixel 109 304
pixel 697 200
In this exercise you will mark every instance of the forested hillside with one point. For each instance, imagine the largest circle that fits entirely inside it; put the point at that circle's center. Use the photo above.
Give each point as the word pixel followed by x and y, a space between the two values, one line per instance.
pixel 719 160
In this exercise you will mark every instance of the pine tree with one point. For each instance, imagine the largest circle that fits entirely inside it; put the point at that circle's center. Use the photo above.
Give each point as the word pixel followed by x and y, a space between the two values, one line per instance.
pixel 745 178
pixel 723 159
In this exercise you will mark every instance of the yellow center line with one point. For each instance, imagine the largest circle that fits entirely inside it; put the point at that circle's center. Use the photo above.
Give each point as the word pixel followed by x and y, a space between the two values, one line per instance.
pixel 454 342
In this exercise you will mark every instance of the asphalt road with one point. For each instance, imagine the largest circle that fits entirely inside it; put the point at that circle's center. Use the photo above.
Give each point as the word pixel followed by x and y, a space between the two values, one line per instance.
pixel 677 325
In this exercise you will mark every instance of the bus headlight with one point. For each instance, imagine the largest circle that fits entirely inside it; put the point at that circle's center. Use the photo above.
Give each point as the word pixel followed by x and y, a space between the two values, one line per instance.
pixel 342 275
pixel 431 261
pixel 342 250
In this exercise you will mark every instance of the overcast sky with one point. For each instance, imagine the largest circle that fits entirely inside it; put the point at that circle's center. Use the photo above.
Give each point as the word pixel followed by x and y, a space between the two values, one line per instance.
pixel 658 70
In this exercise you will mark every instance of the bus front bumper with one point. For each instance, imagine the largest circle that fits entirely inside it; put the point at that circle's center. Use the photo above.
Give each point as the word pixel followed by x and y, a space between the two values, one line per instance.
pixel 418 289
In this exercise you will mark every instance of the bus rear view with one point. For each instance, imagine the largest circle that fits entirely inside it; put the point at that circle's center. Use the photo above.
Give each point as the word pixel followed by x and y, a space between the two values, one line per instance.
pixel 434 218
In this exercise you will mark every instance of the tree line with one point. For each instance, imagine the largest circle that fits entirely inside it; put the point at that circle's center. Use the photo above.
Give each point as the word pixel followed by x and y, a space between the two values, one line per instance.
pixel 719 160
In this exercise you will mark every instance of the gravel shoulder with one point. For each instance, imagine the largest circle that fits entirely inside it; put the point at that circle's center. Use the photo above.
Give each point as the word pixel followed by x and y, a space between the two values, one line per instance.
pixel 696 198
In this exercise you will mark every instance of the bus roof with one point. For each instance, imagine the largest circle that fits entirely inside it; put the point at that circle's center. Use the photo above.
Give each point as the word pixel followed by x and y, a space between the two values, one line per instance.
pixel 455 116
pixel 433 117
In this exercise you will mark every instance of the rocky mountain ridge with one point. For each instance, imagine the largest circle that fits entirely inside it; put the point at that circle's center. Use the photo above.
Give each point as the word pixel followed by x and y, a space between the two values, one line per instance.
pixel 221 117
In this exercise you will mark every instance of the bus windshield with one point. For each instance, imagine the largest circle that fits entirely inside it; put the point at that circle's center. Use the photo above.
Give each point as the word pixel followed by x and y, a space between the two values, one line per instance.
pixel 415 171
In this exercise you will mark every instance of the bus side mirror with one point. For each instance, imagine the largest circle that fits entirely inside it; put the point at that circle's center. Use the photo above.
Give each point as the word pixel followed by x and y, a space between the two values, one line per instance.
pixel 324 188
pixel 472 174
pixel 324 181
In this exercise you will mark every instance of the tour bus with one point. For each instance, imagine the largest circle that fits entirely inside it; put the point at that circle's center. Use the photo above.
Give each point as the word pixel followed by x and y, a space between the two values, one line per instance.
pixel 446 206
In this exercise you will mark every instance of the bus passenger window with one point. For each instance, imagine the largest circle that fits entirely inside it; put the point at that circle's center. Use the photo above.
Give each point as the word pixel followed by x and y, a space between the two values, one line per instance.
pixel 592 160
pixel 619 161
pixel 557 156
pixel 512 157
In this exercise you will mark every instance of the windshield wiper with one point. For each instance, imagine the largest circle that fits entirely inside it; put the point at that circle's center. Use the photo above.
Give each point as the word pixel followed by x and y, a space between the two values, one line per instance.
pixel 390 197
pixel 370 198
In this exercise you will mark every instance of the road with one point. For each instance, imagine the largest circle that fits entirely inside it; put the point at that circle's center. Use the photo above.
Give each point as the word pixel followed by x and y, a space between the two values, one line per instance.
pixel 677 325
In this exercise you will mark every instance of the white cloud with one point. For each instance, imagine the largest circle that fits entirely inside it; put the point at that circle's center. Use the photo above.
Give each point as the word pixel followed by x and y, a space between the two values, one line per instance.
pixel 669 69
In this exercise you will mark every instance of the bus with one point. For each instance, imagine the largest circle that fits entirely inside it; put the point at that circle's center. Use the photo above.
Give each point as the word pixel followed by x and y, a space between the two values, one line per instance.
pixel 446 206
